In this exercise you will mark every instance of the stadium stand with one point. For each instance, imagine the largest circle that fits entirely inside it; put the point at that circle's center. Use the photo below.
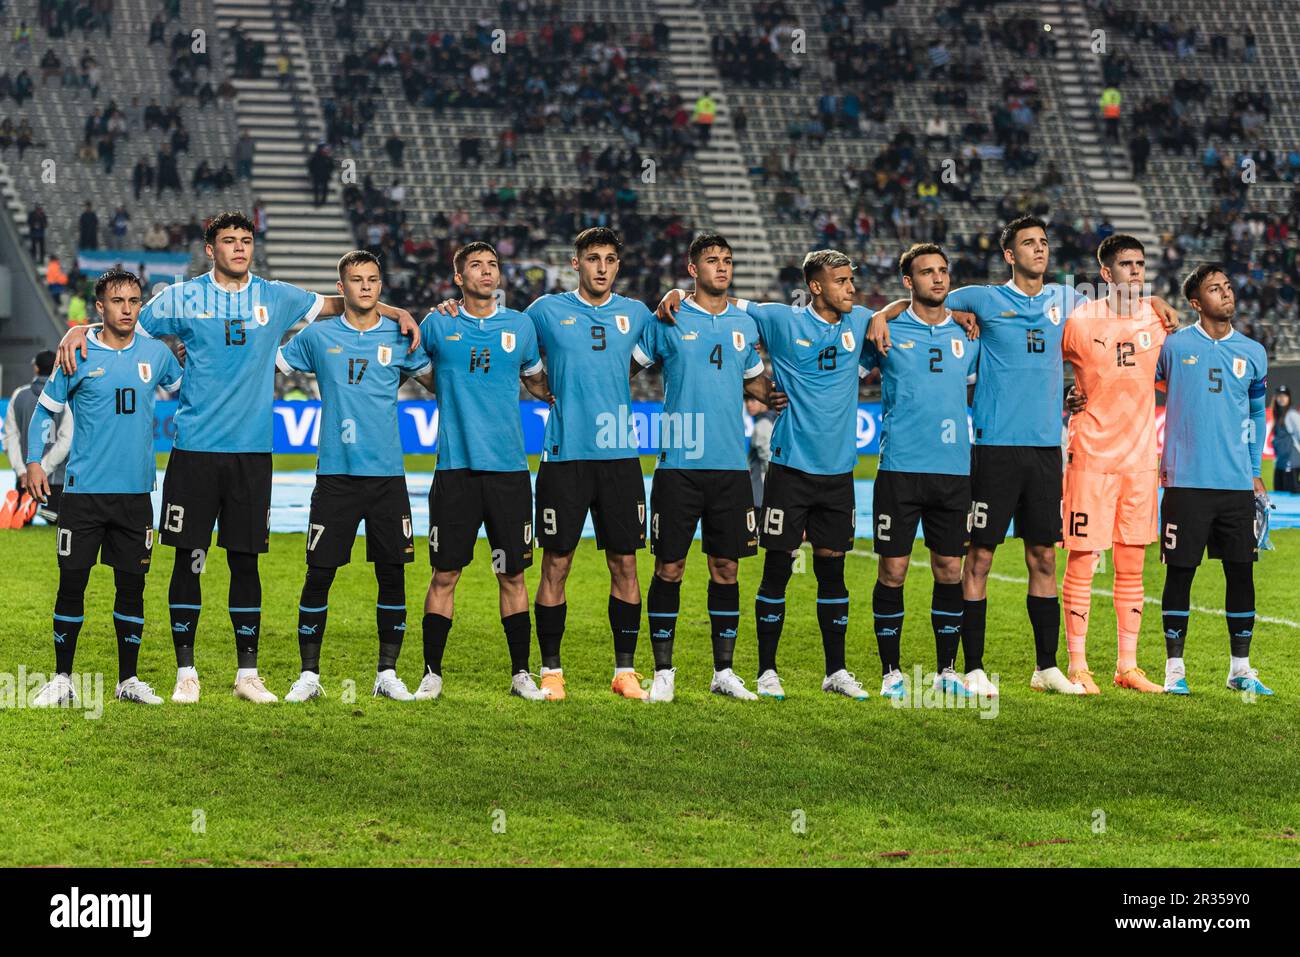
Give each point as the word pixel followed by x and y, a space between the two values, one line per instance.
pixel 114 93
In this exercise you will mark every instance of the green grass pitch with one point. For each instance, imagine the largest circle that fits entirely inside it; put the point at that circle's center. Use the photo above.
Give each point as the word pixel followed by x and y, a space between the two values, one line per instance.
pixel 483 778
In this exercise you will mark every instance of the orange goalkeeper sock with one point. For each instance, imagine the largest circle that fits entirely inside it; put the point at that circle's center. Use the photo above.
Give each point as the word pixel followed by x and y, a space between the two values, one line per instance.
pixel 1076 597
pixel 1129 597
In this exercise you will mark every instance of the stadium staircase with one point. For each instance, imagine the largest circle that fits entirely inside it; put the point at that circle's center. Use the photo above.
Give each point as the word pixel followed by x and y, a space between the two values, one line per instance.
pixel 1078 72
pixel 305 242
pixel 723 174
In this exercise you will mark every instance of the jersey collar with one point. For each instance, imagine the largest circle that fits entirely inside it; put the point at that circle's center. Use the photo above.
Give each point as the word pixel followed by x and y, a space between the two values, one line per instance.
pixel 470 317
pixel 577 294
pixel 212 278
pixel 690 301
pixel 343 318
pixel 93 337
pixel 1201 329
pixel 947 319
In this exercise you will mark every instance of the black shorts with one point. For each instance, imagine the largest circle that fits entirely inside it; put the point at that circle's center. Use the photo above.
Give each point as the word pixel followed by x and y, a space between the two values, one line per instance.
pixel 339 503
pixel 117 528
pixel 462 500
pixel 940 502
pixel 1194 519
pixel 231 490
pixel 612 489
pixel 722 499
pixel 795 502
pixel 1015 481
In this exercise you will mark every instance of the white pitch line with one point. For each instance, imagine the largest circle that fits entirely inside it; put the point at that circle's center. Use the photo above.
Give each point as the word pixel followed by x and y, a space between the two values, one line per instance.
pixel 1147 599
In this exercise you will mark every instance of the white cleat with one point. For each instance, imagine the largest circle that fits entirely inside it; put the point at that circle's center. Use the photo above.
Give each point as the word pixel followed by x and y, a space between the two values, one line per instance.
pixel 56 693
pixel 431 687
pixel 388 685
pixel 727 682
pixel 948 682
pixel 253 688
pixel 893 685
pixel 306 688
pixel 664 685
pixel 186 690
pixel 978 683
pixel 135 690
pixel 844 682
pixel 1051 679
pixel 522 686
pixel 769 686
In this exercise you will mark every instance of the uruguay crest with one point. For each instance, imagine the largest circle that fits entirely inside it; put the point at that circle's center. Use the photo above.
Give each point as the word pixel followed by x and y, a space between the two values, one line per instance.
pixel 385 355
pixel 508 341
pixel 958 347
pixel 846 340
pixel 738 340
pixel 146 372
pixel 1239 366
pixel 1144 340
pixel 260 315
pixel 1054 314
pixel 623 323
pixel 406 526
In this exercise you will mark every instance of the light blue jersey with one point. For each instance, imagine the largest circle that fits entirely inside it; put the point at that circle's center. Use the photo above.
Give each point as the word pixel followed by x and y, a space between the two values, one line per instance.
pixel 477 364
pixel 112 399
pixel 588 353
pixel 1214 411
pixel 230 341
pixel 1021 385
pixel 706 360
pixel 358 373
pixel 923 396
pixel 815 363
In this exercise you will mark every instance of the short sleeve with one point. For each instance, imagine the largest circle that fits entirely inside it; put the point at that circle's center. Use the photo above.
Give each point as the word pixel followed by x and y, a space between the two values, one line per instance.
pixel 429 335
pixel 537 312
pixel 170 371
pixel 1259 384
pixel 412 363
pixel 767 317
pixel 753 362
pixel 55 394
pixel 162 315
pixel 293 303
pixel 1162 364
pixel 972 356
pixel 1069 339
pixel 965 299
pixel 296 354
pixel 646 351
pixel 868 358
pixel 530 361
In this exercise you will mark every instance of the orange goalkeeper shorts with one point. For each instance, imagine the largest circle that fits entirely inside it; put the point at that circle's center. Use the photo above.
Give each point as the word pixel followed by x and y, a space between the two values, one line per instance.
pixel 1102 508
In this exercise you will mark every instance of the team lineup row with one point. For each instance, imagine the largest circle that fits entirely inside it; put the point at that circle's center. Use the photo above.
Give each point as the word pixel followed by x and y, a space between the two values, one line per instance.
pixel 579 350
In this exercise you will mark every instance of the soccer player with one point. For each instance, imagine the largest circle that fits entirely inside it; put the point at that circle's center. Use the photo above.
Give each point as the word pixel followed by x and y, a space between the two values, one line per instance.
pixel 358 359
pixel 709 360
pixel 1111 484
pixel 1016 465
pixel 1214 438
pixel 590 460
pixel 924 467
pixel 479 357
pixel 106 511
pixel 219 473
pixel 809 489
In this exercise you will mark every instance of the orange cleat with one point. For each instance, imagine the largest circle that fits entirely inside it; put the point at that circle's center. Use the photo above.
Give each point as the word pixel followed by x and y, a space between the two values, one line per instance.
pixel 25 511
pixel 8 506
pixel 1136 679
pixel 553 685
pixel 628 684
pixel 1083 677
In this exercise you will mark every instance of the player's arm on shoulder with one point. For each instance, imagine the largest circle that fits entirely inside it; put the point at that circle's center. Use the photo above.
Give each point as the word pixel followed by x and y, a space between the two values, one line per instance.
pixel 878 327
pixel 296 354
pixel 1167 313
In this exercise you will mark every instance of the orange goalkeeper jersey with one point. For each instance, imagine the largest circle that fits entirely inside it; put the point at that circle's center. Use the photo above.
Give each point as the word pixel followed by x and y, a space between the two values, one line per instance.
pixel 1114 359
